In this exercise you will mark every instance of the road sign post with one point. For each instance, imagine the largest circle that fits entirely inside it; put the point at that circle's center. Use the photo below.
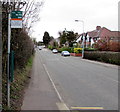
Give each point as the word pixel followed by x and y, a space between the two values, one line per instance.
pixel 14 21
pixel 8 64
pixel 11 66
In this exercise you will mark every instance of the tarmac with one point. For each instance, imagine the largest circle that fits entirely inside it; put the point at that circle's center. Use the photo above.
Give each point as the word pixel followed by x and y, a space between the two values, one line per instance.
pixel 41 93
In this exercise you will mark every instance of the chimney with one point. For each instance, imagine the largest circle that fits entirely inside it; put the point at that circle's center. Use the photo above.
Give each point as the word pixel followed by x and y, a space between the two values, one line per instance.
pixel 98 27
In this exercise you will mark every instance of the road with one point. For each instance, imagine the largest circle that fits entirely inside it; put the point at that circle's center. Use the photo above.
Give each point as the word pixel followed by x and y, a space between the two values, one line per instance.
pixel 81 83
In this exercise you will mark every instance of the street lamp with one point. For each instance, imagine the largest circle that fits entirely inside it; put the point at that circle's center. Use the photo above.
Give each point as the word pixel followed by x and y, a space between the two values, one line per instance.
pixel 83 36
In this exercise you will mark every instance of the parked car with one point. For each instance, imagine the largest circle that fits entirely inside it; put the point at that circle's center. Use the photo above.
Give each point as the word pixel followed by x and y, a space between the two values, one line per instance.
pixel 65 53
pixel 55 51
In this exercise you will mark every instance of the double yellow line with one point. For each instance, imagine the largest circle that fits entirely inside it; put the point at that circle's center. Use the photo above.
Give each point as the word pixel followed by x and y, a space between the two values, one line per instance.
pixel 87 108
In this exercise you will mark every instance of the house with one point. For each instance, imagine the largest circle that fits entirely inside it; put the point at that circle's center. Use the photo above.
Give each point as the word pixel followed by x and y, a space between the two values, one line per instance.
pixel 97 34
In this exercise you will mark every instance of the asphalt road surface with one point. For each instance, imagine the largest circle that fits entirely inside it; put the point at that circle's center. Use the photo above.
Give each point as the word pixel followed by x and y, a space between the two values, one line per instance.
pixel 81 83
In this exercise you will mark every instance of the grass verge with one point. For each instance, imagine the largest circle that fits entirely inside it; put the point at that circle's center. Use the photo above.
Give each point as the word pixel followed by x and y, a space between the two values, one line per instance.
pixel 17 87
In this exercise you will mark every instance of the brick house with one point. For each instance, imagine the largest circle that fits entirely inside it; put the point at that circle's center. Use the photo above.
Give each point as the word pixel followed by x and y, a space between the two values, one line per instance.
pixel 97 34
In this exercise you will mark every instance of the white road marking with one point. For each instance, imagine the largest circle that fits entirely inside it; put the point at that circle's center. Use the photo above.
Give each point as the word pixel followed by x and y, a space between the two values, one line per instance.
pixel 59 96
pixel 62 106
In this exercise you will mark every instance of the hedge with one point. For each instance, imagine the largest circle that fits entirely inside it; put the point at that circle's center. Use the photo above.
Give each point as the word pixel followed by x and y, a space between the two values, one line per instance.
pixel 70 49
pixel 90 49
pixel 103 56
pixel 77 50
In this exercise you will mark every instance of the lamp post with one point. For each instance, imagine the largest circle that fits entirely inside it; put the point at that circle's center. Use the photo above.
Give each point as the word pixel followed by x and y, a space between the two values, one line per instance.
pixel 83 36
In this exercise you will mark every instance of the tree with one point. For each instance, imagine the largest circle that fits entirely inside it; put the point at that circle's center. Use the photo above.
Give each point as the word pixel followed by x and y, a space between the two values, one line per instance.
pixel 67 36
pixel 62 37
pixel 102 44
pixel 21 42
pixel 46 38
pixel 71 36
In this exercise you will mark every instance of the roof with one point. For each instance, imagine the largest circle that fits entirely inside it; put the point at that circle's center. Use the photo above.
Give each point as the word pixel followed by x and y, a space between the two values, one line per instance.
pixel 103 32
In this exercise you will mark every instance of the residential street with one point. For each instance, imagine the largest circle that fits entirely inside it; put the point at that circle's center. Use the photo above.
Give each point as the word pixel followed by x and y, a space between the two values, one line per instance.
pixel 59 82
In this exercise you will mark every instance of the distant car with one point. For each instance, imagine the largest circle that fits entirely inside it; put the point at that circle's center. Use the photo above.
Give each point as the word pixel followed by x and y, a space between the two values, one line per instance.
pixel 39 47
pixel 65 53
pixel 55 51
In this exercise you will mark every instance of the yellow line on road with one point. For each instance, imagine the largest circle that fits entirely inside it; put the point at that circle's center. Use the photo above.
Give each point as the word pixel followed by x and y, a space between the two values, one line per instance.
pixel 87 108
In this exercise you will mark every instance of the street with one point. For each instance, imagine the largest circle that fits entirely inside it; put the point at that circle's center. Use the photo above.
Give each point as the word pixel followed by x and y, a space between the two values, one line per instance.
pixel 78 83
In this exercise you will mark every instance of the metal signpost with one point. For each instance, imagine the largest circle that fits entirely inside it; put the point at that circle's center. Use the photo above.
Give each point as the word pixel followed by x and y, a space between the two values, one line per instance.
pixel 8 67
pixel 14 21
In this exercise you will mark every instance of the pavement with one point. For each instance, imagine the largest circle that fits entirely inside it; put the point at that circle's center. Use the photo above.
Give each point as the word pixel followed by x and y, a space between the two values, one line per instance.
pixel 41 93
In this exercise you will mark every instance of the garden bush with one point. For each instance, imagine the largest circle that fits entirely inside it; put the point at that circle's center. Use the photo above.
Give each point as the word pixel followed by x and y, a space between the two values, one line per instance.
pixel 51 47
pixel 77 50
pixel 70 49
pixel 90 49
pixel 107 57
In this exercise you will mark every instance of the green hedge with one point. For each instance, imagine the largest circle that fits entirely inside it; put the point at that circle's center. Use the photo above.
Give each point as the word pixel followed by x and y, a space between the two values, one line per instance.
pixel 107 57
pixel 90 49
pixel 51 47
pixel 70 49
pixel 77 50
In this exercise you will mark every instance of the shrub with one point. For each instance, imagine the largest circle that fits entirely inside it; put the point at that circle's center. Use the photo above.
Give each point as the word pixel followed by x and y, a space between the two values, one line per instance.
pixel 70 49
pixel 107 57
pixel 51 47
pixel 77 50
pixel 114 46
pixel 90 49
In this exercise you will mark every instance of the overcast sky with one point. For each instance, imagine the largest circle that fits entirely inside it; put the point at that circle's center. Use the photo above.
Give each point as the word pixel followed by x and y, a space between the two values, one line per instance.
pixel 56 15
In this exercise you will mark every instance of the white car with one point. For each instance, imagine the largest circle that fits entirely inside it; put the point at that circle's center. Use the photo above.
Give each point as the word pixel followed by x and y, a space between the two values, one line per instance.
pixel 39 47
pixel 55 51
pixel 65 53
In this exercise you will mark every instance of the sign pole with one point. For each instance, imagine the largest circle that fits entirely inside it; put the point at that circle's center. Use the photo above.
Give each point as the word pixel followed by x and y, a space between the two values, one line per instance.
pixel 8 67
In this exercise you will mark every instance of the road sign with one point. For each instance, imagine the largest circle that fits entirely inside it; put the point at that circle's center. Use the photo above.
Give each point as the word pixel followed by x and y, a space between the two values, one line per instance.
pixel 16 19
pixel 16 14
pixel 16 23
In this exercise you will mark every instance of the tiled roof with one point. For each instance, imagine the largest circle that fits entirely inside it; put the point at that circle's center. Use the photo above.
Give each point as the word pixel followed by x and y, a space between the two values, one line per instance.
pixel 104 32
pixel 94 33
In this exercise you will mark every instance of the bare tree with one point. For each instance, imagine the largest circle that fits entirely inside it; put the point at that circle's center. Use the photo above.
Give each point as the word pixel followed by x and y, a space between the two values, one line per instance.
pixel 31 13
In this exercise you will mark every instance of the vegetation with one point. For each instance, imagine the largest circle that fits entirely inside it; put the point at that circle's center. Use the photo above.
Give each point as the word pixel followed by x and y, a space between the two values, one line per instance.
pixel 67 37
pixel 107 57
pixel 90 49
pixel 21 79
pixel 107 45
pixel 77 50
pixel 70 49
pixel 22 45
pixel 46 38
pixel 51 47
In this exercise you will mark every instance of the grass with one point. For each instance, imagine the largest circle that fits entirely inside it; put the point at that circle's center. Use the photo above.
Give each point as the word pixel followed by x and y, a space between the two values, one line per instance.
pixel 21 80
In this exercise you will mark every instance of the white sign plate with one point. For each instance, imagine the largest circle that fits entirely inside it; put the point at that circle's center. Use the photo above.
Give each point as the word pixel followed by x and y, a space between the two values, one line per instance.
pixel 16 23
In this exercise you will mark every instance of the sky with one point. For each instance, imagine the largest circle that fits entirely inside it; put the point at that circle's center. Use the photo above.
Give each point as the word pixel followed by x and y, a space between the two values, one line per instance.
pixel 56 15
